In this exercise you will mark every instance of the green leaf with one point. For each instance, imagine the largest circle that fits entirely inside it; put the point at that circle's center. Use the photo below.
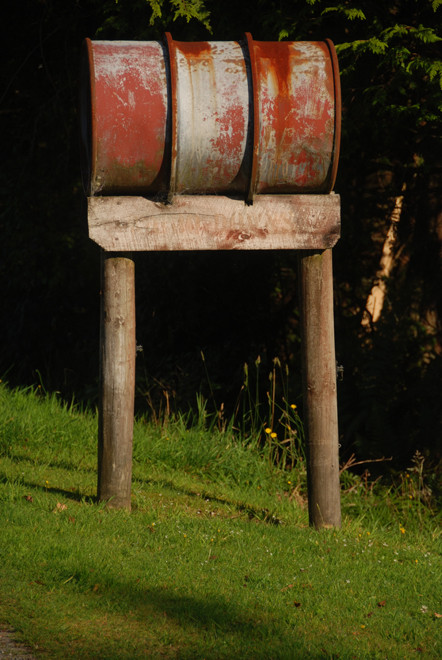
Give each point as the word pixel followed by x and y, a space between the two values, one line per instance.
pixel 427 35
pixel 189 9
pixel 431 68
pixel 350 14
pixel 395 31
pixel 373 45
pixel 156 10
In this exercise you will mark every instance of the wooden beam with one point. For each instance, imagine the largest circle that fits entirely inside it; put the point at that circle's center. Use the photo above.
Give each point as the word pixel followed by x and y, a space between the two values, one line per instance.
pixel 209 222
pixel 320 396
pixel 117 380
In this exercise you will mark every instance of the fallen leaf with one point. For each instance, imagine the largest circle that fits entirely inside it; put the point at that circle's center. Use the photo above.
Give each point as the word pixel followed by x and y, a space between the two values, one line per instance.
pixel 438 616
pixel 369 614
pixel 28 498
pixel 296 604
pixel 382 603
pixel 59 507
pixel 289 586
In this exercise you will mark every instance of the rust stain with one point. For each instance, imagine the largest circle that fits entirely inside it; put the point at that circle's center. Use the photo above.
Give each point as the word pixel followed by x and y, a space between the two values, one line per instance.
pixel 194 48
pixel 212 116
pixel 296 117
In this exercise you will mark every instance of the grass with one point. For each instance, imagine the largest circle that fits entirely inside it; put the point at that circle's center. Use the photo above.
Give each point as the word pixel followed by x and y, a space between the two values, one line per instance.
pixel 216 559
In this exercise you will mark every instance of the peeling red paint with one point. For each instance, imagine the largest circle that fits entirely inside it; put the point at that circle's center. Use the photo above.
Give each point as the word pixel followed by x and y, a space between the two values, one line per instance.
pixel 129 107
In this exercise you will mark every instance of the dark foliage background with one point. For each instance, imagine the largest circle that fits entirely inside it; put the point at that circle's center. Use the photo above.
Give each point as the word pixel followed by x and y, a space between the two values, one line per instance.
pixel 234 307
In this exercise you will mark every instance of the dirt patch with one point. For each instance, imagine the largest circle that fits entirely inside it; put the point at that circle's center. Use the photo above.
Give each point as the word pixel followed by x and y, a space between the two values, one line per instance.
pixel 11 648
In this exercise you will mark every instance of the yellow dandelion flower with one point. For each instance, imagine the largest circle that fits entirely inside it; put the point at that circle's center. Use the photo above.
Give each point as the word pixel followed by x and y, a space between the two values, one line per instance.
pixel 268 430
pixel 273 435
pixel 294 406
pixel 402 530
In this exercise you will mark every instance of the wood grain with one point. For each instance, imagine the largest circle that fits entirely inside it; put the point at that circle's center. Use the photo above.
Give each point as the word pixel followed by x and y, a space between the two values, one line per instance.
pixel 117 380
pixel 319 379
pixel 192 222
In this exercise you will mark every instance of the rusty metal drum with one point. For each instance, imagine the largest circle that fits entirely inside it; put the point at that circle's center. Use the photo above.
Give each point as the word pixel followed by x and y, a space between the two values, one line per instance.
pixel 123 117
pixel 237 118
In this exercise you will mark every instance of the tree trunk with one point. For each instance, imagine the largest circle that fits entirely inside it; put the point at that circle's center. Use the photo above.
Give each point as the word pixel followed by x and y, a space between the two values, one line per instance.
pixel 375 301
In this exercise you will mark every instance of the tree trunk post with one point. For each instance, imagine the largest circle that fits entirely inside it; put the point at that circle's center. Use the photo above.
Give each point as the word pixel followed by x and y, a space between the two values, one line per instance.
pixel 319 384
pixel 117 379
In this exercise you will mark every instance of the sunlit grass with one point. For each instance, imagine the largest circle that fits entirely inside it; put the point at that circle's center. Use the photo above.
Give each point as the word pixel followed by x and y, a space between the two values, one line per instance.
pixel 216 559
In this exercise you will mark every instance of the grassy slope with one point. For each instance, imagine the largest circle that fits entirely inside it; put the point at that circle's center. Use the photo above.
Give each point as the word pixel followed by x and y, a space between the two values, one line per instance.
pixel 216 559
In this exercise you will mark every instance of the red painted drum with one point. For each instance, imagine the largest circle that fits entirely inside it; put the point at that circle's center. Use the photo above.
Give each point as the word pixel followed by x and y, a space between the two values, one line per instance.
pixel 238 118
pixel 123 117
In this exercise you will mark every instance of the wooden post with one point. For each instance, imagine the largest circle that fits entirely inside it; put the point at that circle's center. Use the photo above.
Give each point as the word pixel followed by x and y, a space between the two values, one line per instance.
pixel 117 379
pixel 319 377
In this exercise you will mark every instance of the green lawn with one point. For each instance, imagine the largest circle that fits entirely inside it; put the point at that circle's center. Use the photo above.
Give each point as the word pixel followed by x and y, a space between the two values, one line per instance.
pixel 216 559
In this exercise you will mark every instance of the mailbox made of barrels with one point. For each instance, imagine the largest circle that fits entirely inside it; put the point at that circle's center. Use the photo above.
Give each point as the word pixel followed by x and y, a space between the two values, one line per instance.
pixel 236 118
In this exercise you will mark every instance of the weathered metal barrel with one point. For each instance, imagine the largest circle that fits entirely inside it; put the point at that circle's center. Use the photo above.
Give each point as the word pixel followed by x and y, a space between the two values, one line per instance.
pixel 238 118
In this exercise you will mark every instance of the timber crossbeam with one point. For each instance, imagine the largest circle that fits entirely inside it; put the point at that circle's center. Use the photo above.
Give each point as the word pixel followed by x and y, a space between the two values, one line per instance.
pixel 209 222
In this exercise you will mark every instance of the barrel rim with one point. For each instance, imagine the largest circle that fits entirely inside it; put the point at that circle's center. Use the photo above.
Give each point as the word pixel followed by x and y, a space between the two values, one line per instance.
pixel 88 114
pixel 172 92
pixel 338 114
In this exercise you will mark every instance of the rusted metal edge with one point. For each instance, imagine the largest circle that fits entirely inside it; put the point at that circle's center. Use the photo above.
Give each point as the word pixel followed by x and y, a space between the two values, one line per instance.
pixel 172 95
pixel 91 159
pixel 338 110
pixel 255 118
pixel 208 222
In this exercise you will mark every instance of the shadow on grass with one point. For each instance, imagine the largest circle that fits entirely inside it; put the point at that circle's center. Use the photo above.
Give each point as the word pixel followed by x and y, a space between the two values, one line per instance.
pixel 73 495
pixel 56 464
pixel 197 625
pixel 254 513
